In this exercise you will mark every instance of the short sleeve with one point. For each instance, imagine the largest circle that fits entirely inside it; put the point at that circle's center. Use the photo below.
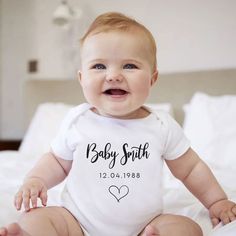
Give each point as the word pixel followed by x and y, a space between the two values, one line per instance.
pixel 175 141
pixel 63 145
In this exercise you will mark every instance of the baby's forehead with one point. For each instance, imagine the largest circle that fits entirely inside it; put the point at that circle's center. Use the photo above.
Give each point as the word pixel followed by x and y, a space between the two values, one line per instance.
pixel 104 42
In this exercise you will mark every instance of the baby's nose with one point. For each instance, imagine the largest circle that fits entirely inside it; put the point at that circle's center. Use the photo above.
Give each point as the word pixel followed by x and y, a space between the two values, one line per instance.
pixel 114 77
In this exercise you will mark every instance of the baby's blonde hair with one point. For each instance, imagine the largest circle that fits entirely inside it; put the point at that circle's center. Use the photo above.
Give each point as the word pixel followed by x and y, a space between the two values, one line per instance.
pixel 114 21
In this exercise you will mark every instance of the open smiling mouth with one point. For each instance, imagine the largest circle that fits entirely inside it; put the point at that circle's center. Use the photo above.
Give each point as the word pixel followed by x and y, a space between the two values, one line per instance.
pixel 115 92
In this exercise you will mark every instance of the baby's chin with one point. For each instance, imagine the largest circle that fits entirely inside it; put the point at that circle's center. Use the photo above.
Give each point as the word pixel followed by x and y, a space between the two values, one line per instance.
pixel 131 114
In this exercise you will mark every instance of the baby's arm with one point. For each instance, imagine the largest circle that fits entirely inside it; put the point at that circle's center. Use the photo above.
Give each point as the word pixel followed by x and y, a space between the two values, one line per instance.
pixel 198 178
pixel 48 172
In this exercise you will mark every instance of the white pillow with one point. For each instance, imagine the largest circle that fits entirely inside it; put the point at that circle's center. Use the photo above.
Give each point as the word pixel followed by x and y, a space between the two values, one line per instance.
pixel 210 124
pixel 43 127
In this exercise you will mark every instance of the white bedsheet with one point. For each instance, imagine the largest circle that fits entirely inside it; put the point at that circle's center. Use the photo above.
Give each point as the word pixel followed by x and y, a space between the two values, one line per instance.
pixel 14 165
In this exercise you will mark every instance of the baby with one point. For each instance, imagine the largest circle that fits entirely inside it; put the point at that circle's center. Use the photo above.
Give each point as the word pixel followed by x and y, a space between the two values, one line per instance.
pixel 111 150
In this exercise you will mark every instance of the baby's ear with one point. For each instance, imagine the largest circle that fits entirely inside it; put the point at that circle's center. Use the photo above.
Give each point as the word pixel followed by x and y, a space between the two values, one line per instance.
pixel 79 76
pixel 154 77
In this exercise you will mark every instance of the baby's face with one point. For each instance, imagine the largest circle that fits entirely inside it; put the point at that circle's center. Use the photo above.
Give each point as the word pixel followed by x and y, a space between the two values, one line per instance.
pixel 116 73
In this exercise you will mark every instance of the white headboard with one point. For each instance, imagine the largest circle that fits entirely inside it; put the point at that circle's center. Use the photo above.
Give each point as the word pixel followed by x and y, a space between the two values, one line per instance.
pixel 176 88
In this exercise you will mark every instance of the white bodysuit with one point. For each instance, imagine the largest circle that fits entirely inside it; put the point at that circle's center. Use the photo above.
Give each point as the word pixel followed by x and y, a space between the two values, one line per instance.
pixel 115 183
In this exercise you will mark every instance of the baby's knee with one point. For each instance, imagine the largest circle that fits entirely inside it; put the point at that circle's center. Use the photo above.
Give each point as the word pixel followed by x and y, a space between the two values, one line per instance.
pixel 45 219
pixel 33 214
pixel 178 222
pixel 57 219
pixel 187 222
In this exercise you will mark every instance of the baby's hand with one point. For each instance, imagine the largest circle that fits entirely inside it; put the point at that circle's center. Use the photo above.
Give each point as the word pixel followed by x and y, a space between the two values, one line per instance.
pixel 224 211
pixel 32 189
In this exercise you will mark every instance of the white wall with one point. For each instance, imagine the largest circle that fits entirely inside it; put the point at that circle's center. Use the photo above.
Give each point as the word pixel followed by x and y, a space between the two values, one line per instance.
pixel 191 35
pixel 0 62
pixel 16 46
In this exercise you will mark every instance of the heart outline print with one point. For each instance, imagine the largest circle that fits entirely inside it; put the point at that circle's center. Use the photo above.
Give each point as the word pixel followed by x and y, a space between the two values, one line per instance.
pixel 117 192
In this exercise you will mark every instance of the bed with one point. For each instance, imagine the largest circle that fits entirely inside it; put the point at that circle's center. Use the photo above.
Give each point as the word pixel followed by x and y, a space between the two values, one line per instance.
pixel 203 102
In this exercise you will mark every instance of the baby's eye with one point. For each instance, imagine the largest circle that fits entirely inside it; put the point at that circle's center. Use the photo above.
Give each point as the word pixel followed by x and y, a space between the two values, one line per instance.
pixel 130 66
pixel 99 67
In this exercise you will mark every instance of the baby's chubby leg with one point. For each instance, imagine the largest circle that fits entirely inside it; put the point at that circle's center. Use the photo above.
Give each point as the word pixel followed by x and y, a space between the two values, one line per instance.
pixel 167 224
pixel 53 221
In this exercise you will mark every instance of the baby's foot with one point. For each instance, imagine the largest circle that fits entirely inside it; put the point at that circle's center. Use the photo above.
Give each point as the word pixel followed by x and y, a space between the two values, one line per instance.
pixel 151 231
pixel 12 230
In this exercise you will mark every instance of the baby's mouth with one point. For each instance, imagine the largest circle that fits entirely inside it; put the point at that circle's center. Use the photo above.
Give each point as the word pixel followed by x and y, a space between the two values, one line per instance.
pixel 115 92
